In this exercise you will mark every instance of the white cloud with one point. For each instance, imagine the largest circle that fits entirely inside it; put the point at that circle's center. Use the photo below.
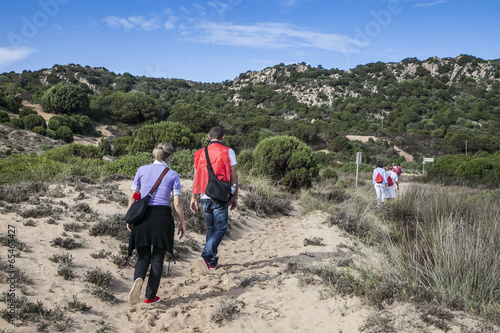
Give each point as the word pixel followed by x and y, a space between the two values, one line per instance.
pixel 10 55
pixel 133 22
pixel 57 27
pixel 430 4
pixel 170 22
pixel 273 36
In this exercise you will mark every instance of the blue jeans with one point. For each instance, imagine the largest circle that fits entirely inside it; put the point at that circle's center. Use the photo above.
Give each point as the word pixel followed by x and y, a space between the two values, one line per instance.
pixel 216 216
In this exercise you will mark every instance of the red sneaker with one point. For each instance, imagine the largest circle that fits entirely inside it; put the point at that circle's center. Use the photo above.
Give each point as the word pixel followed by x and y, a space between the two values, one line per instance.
pixel 151 301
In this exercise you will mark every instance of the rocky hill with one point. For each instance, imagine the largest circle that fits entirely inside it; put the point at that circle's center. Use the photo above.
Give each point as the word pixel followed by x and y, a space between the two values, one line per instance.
pixel 441 101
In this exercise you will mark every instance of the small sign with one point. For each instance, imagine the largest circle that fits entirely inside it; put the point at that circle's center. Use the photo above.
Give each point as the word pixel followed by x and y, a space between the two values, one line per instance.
pixel 358 158
pixel 428 160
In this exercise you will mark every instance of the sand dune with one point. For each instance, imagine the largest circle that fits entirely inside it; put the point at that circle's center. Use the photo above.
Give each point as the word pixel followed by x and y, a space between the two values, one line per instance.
pixel 256 288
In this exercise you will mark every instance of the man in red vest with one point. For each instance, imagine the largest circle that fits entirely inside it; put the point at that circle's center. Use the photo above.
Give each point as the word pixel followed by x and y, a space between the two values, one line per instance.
pixel 223 161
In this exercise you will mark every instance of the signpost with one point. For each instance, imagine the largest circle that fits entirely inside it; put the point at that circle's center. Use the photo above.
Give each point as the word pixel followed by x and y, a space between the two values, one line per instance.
pixel 358 162
pixel 426 159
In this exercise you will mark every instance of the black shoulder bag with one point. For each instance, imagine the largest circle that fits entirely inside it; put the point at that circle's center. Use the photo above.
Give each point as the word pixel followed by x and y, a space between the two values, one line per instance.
pixel 218 190
pixel 138 208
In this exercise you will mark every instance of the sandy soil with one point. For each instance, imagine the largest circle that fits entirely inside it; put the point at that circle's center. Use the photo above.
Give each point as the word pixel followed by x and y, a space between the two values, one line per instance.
pixel 254 275
pixel 364 138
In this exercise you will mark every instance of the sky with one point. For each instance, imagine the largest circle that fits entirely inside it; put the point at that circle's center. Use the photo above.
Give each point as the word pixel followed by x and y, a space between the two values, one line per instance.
pixel 216 40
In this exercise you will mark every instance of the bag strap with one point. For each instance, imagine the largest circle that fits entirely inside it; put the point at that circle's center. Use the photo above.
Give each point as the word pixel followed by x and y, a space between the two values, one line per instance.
pixel 155 186
pixel 209 164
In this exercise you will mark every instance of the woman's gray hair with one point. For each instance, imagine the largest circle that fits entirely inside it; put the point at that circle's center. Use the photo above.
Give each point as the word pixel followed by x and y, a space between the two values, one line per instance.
pixel 162 151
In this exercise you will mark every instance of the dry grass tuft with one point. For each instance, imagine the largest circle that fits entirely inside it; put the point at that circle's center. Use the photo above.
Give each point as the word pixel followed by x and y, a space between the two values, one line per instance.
pixel 226 311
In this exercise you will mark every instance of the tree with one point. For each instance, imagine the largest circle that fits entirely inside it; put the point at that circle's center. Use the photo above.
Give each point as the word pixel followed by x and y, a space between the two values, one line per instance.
pixel 340 143
pixel 26 111
pixel 57 121
pixel 4 116
pixel 33 120
pixel 197 118
pixel 286 159
pixel 131 108
pixel 64 133
pixel 65 98
pixel 105 147
pixel 148 136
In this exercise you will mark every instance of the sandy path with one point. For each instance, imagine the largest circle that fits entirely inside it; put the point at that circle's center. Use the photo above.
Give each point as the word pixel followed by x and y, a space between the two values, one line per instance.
pixel 364 138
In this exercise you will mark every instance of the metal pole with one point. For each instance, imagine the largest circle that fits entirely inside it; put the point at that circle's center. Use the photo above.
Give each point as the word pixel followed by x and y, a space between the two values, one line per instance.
pixel 357 167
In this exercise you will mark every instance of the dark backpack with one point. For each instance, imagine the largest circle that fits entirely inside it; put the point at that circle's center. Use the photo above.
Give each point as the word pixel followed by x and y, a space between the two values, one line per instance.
pixel 217 189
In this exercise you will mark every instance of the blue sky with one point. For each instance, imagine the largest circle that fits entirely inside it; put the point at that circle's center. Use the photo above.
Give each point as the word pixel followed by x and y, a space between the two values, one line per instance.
pixel 216 40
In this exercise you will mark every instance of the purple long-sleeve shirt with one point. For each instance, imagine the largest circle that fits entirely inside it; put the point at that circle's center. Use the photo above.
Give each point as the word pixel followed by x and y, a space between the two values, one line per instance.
pixel 146 177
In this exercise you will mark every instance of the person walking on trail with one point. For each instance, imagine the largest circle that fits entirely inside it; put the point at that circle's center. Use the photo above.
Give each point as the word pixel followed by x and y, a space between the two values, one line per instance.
pixel 379 181
pixel 390 191
pixel 223 162
pixel 153 235
pixel 398 170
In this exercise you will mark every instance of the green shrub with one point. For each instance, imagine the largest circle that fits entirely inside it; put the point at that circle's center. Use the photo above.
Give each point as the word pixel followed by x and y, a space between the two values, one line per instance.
pixel 4 117
pixel 33 120
pixel 183 163
pixel 459 168
pixel 128 164
pixel 26 111
pixel 245 160
pixel 17 123
pixel 288 159
pixel 39 130
pixel 329 173
pixel 57 121
pixel 65 98
pixel 121 144
pixel 82 124
pixel 148 136
pixel 64 133
pixel 104 147
pixel 340 143
pixel 70 151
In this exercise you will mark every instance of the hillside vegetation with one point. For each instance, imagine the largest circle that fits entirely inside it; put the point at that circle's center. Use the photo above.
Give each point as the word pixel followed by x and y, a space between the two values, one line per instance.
pixel 428 108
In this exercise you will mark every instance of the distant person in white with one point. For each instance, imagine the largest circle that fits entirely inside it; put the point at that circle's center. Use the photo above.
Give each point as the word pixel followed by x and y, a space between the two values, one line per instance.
pixel 390 191
pixel 379 181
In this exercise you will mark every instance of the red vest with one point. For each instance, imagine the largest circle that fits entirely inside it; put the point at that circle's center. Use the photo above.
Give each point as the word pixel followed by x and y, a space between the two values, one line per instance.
pixel 219 157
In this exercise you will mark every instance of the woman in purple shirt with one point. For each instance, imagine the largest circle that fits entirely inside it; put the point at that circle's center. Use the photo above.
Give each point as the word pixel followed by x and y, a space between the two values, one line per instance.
pixel 153 235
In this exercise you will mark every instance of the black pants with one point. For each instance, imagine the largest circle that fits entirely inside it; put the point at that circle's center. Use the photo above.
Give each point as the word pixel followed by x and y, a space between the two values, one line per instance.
pixel 145 259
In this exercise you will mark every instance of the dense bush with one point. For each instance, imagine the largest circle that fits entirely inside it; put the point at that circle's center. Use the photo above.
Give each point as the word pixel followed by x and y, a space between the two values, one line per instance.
pixel 245 160
pixel 74 150
pixel 148 136
pixel 4 117
pixel 286 159
pixel 39 129
pixel 77 123
pixel 64 133
pixel 329 173
pixel 128 164
pixel 183 163
pixel 57 121
pixel 121 145
pixel 473 170
pixel 33 120
pixel 198 119
pixel 131 107
pixel 26 111
pixel 65 98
